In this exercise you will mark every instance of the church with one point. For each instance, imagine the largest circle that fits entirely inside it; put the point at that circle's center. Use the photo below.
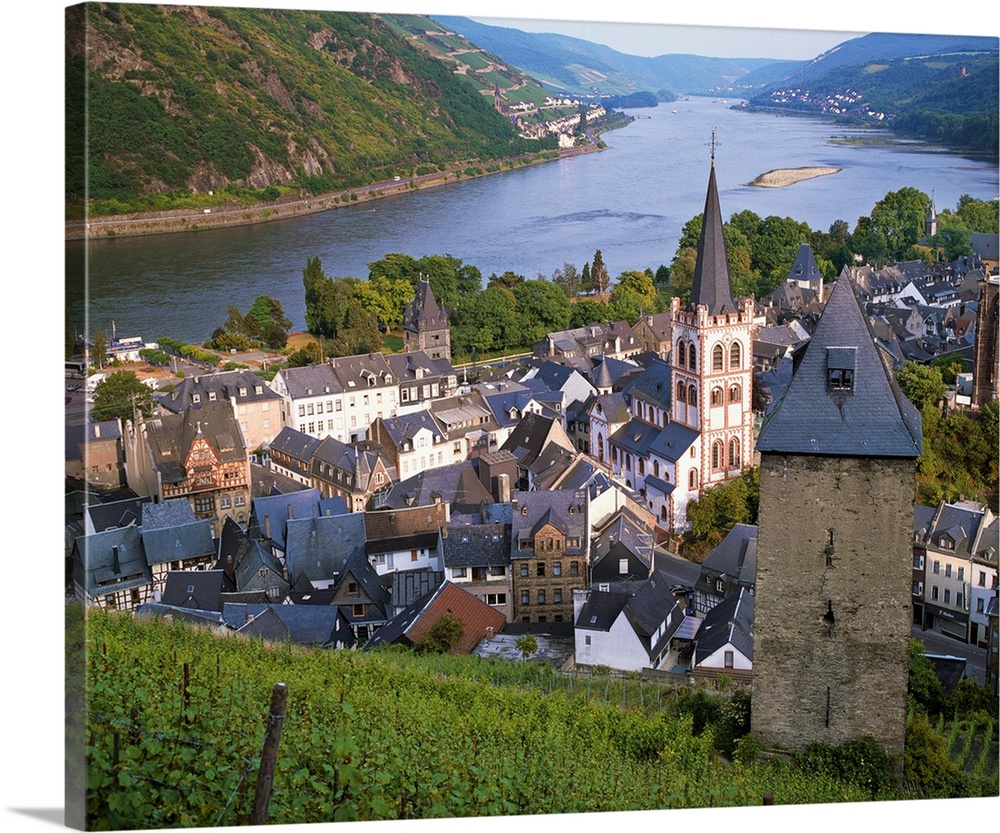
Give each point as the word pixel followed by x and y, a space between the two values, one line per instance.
pixel 691 423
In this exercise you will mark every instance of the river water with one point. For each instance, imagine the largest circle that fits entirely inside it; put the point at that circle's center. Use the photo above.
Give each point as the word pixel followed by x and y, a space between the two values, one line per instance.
pixel 630 201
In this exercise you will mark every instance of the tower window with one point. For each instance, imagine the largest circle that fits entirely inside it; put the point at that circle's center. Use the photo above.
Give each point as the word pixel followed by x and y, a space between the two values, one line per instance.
pixel 681 354
pixel 735 356
pixel 717 353
pixel 692 396
pixel 681 392
pixel 840 364
pixel 691 357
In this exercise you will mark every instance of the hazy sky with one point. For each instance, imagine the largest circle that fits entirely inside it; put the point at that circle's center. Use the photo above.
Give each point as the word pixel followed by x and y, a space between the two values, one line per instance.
pixel 651 39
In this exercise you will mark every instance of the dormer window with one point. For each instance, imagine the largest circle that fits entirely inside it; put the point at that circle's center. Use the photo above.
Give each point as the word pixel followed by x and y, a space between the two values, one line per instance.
pixel 196 397
pixel 211 396
pixel 840 365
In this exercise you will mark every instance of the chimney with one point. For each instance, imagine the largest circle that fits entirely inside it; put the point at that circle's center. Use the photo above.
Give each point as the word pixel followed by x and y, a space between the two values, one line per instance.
pixel 290 515
pixel 97 430
pixel 503 488
pixel 267 527
pixel 116 563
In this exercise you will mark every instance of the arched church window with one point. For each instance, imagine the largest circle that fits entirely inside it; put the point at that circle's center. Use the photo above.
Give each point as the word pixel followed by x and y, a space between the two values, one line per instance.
pixel 734 453
pixel 656 468
pixel 717 355
pixel 734 393
pixel 693 479
pixel 692 396
pixel 735 356
pixel 681 354
pixel 681 392
pixel 717 452
pixel 716 396
pixel 691 356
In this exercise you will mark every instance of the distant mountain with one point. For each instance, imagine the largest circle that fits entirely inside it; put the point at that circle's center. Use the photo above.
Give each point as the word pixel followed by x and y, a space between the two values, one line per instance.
pixel 580 67
pixel 940 88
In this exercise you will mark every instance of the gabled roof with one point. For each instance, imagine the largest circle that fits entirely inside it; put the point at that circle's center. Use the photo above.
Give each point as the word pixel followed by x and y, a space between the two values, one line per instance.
pixel 728 623
pixel 319 548
pixel 409 585
pixel 323 625
pixel 405 366
pixel 243 386
pixel 476 545
pixel 457 484
pixel 271 513
pixel 735 556
pixel 563 508
pixel 253 558
pixel 195 589
pixel 804 266
pixel 119 513
pixel 170 437
pixel 601 610
pixel 673 441
pixel 652 385
pixel 310 380
pixel 110 561
pixel 531 435
pixel 871 419
pixel 295 444
pixel 711 285
pixel 171 532
pixel 412 624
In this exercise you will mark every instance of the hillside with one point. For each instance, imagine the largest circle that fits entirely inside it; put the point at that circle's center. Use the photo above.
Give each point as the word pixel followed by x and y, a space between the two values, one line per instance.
pixel 581 67
pixel 938 88
pixel 176 717
pixel 184 101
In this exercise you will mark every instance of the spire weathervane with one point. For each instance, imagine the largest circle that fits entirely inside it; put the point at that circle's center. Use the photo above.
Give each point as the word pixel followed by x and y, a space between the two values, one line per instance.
pixel 713 144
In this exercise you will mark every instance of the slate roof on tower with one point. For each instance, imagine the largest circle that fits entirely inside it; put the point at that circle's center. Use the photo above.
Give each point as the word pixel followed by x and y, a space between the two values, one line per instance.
pixel 841 401
pixel 424 312
pixel 711 285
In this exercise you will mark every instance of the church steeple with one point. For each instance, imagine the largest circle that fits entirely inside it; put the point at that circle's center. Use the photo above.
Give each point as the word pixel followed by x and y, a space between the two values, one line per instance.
pixel 711 285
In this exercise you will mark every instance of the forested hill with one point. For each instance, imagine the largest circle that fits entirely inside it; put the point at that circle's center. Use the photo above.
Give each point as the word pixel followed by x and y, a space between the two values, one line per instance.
pixel 943 89
pixel 184 100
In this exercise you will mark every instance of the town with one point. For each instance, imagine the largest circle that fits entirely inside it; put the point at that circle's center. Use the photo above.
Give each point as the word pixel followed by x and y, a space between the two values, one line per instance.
pixel 362 500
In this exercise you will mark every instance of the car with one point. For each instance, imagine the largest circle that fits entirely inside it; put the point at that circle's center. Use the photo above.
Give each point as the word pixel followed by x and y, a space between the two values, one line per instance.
pixel 73 388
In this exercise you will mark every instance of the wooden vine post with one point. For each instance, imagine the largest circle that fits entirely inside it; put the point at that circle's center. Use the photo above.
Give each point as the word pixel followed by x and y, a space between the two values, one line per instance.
pixel 269 754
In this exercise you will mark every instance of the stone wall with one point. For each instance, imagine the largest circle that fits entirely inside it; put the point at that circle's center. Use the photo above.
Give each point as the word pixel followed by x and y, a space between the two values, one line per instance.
pixel 832 600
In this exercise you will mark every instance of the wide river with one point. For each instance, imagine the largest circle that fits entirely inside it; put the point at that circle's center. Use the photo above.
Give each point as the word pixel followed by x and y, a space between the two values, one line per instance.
pixel 630 201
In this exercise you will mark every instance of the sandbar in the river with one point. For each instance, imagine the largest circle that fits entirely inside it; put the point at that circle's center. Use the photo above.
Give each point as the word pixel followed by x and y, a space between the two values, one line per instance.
pixel 782 177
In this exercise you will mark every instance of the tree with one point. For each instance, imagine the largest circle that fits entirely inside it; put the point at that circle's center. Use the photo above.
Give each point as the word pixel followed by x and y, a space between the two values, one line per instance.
pixel 386 297
pixel 99 349
pixel 527 644
pixel 269 322
pixel 508 280
pixel 640 284
pixel 542 308
pixel 900 216
pixel 954 242
pixel 443 636
pixel 922 385
pixel 599 274
pixel 869 242
pixel 682 273
pixel 119 395
pixel 568 280
pixel 978 215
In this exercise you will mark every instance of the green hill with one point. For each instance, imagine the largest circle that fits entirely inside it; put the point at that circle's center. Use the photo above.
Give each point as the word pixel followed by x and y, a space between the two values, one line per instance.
pixel 256 102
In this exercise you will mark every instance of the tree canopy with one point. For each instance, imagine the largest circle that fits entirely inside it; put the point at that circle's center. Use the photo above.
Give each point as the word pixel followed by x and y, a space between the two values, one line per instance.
pixel 119 395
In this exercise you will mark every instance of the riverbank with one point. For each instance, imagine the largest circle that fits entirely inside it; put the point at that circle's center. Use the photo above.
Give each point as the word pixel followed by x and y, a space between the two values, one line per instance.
pixel 783 177
pixel 237 214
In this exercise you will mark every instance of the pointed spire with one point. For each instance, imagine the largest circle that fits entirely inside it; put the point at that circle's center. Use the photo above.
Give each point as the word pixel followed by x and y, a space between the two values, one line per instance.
pixel 711 285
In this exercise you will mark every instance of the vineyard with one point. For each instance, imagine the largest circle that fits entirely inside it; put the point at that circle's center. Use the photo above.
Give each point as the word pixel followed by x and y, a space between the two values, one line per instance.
pixel 176 719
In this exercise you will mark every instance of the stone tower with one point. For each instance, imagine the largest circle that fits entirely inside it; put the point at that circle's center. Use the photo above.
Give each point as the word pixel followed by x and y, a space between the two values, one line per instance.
pixel 711 357
pixel 986 369
pixel 834 548
pixel 425 325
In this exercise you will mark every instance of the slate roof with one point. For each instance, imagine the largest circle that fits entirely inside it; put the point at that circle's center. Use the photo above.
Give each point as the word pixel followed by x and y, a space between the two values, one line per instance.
pixel 323 625
pixel 252 558
pixel 109 561
pixel 296 444
pixel 405 365
pixel 636 436
pixel 564 508
pixel 960 523
pixel 273 512
pixel 735 557
pixel 119 513
pixel 424 312
pixel 406 586
pixel 310 380
pixel 729 622
pixel 625 529
pixel 476 545
pixel 170 436
pixel 195 589
pixel 711 285
pixel 601 610
pixel 457 484
pixel 874 419
pixel 319 547
pixel 406 426
pixel 673 441
pixel 411 625
pixel 804 266
pixel 652 385
pixel 243 386
pixel 171 532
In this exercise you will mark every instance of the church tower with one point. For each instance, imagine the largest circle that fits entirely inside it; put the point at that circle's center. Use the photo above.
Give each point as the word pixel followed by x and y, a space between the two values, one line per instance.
pixel 711 358
pixel 425 325
pixel 834 548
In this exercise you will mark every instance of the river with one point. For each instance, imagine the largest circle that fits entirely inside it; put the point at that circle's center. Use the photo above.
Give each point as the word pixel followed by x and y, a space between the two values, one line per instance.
pixel 630 201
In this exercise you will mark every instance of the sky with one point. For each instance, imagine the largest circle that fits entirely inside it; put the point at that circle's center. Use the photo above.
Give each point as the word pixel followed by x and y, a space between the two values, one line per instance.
pixel 31 795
